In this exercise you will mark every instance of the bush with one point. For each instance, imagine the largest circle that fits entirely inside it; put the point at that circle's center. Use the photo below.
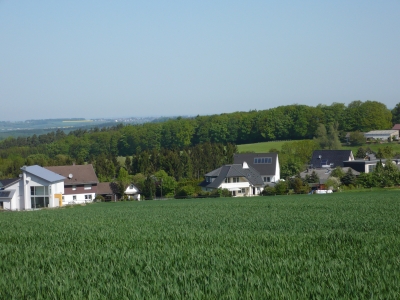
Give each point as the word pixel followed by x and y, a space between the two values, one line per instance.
pixel 268 191
pixel 99 198
pixel 281 187
pixel 186 191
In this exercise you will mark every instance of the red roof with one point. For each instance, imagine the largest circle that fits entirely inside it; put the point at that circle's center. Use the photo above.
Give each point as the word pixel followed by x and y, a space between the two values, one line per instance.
pixel 396 127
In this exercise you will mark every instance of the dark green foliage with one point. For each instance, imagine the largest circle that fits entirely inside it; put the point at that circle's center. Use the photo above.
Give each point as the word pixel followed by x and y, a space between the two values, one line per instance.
pixel 312 177
pixel 361 153
pixel 357 138
pixel 396 114
pixel 190 147
pixel 268 191
pixel 299 185
pixel 349 178
pixel 337 172
pixel 281 187
pixel 385 152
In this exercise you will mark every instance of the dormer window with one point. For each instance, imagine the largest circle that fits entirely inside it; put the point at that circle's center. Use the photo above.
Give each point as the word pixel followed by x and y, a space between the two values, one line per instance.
pixel 263 160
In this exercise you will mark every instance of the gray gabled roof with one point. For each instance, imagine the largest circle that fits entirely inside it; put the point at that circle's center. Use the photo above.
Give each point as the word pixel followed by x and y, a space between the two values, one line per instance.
pixel 263 169
pixel 43 173
pixel 234 170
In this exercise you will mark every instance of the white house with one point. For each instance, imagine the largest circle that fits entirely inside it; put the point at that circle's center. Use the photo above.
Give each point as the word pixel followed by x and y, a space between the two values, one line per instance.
pixel 240 179
pixel 35 188
pixel 80 182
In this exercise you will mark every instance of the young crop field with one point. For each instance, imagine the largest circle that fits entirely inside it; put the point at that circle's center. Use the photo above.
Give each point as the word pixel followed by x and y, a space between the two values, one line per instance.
pixel 337 246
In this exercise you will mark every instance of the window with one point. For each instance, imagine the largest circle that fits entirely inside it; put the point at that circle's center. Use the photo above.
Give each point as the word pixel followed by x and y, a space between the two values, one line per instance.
pixel 226 180
pixel 371 168
pixel 88 197
pixel 73 197
pixel 74 187
pixel 39 196
pixel 263 160
pixel 235 179
pixel 88 187
pixel 243 191
pixel 268 179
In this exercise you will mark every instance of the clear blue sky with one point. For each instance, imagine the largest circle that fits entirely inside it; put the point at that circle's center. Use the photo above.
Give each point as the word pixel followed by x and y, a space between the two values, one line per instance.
pixel 161 58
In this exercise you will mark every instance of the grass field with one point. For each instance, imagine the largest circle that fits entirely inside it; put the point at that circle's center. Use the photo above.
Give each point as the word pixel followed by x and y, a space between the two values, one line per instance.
pixel 266 146
pixel 343 245
pixel 262 147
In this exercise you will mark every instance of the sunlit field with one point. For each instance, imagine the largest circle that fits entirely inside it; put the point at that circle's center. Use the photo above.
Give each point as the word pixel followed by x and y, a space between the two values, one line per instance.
pixel 343 245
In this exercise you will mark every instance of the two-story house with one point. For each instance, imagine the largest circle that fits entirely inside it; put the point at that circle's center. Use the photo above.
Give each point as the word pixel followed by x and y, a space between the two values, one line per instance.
pixel 36 187
pixel 240 179
pixel 80 184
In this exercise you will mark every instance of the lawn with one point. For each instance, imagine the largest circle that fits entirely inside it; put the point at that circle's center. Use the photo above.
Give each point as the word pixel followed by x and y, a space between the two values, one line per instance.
pixel 343 245
pixel 263 147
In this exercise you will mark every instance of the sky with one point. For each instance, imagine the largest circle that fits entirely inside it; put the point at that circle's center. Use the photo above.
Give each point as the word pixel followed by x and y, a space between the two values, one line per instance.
pixel 107 59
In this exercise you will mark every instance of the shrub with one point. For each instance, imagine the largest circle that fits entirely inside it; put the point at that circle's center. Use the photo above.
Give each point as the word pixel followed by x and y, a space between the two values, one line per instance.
pixel 99 198
pixel 268 191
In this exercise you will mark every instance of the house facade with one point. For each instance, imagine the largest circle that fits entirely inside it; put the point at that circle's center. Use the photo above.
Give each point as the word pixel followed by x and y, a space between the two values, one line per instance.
pixel 80 184
pixel 239 179
pixel 36 187
pixel 266 164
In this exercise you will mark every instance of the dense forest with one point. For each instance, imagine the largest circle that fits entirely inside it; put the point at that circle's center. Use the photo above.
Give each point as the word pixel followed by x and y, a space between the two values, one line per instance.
pixel 186 148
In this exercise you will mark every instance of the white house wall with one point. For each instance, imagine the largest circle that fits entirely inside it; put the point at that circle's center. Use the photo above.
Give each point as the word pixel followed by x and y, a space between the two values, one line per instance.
pixel 79 198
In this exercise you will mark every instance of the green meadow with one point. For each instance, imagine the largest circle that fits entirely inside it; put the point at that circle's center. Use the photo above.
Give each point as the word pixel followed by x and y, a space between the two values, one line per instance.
pixel 336 246
pixel 265 147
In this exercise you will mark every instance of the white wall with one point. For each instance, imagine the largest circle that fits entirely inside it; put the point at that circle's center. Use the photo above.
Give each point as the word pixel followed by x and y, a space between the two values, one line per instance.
pixel 80 198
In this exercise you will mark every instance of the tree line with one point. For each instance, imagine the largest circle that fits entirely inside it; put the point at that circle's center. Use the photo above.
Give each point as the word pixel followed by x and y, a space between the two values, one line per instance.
pixel 174 141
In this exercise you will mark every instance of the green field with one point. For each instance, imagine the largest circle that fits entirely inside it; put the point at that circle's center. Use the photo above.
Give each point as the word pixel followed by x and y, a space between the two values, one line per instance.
pixel 338 246
pixel 263 147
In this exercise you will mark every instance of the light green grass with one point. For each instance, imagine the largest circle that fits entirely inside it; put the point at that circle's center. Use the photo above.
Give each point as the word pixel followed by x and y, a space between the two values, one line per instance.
pixel 375 147
pixel 339 246
pixel 263 147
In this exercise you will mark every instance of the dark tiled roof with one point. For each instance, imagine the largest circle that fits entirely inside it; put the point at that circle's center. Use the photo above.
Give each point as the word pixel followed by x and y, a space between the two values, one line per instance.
pixel 263 169
pixel 4 183
pixel 337 157
pixel 81 174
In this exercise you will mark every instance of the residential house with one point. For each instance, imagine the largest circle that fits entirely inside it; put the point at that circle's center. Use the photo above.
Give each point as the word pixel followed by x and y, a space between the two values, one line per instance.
pixel 367 165
pixel 240 179
pixel 330 158
pixel 110 191
pixel 80 183
pixel 36 187
pixel 266 164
